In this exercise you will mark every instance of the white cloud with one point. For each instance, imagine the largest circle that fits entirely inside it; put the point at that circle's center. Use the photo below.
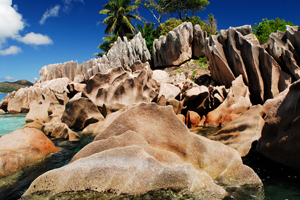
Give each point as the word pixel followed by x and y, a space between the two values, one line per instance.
pixel 68 4
pixel 35 39
pixel 12 50
pixel 11 22
pixel 8 78
pixel 53 12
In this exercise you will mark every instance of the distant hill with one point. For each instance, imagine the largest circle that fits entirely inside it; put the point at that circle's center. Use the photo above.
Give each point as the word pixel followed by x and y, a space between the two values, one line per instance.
pixel 7 87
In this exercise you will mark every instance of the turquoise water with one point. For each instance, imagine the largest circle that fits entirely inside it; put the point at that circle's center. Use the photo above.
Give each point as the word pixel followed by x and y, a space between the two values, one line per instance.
pixel 280 182
pixel 2 95
pixel 11 122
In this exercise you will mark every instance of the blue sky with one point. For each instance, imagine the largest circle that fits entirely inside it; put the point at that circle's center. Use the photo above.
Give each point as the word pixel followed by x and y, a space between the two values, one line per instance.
pixel 35 33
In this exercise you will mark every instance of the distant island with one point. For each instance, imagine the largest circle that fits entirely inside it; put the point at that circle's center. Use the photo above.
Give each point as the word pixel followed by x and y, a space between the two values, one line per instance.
pixel 8 87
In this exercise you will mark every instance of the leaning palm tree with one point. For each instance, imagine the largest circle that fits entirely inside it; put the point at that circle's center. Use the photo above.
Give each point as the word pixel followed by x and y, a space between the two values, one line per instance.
pixel 119 18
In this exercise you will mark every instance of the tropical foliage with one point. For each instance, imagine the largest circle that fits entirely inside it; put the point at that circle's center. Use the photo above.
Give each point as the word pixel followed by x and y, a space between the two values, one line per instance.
pixel 119 20
pixel 182 9
pixel 119 17
pixel 266 27
pixel 147 31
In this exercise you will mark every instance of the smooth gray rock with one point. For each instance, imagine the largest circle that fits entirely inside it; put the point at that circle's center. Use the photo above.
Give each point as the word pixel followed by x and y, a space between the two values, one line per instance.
pixel 199 42
pixel 231 54
pixel 175 48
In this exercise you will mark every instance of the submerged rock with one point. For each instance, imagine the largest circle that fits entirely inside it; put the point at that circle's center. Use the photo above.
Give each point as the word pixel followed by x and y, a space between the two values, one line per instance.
pixel 22 148
pixel 145 148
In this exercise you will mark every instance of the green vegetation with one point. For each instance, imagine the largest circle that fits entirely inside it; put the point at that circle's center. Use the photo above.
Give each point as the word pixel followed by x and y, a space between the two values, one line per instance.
pixel 7 87
pixel 266 27
pixel 119 22
pixel 180 8
pixel 119 19
pixel 147 32
pixel 194 73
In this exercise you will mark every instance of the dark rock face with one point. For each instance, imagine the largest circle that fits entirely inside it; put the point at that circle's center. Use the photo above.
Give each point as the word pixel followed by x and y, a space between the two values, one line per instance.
pixel 175 48
pixel 235 52
pixel 280 138
pixel 79 113
pixel 285 49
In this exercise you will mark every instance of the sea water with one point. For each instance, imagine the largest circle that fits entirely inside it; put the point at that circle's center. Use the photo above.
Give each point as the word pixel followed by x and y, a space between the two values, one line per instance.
pixel 2 95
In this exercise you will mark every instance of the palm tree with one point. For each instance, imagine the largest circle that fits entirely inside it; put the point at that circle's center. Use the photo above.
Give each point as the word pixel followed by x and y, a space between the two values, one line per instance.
pixel 119 18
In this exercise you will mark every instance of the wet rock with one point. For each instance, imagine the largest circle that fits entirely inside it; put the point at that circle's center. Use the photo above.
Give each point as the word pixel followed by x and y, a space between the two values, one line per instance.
pixel 22 148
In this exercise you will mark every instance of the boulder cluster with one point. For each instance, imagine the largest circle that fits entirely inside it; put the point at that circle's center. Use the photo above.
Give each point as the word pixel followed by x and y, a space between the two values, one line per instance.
pixel 142 115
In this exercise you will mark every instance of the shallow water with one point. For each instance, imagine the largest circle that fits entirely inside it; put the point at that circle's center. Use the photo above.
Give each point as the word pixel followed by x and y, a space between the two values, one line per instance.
pixel 25 177
pixel 11 122
pixel 2 95
pixel 280 182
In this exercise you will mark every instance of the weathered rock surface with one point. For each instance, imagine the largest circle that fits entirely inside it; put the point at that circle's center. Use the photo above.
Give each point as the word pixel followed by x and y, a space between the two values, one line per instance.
pixel 285 49
pixel 55 128
pixel 199 39
pixel 2 112
pixel 72 70
pixel 79 113
pixel 243 131
pixel 237 52
pixel 118 86
pixel 146 147
pixel 175 48
pixel 24 97
pixel 21 148
pixel 192 119
pixel 169 91
pixel 124 53
pixel 236 102
pixel 280 138
pixel 202 99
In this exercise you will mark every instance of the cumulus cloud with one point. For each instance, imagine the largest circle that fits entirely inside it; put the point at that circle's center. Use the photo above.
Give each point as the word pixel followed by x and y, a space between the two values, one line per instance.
pixel 35 39
pixel 11 24
pixel 12 50
pixel 11 21
pixel 8 78
pixel 53 12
